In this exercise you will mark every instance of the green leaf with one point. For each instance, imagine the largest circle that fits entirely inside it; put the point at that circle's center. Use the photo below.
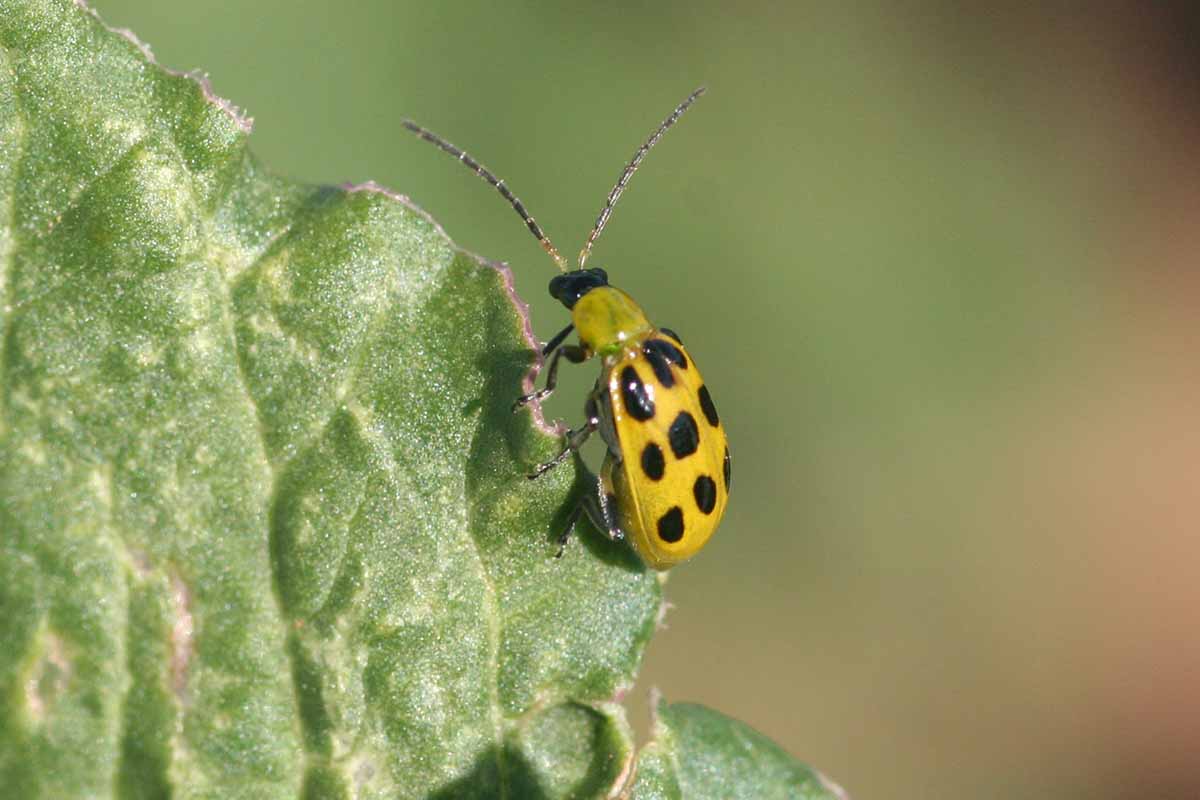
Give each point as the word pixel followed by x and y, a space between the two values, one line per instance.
pixel 698 753
pixel 264 525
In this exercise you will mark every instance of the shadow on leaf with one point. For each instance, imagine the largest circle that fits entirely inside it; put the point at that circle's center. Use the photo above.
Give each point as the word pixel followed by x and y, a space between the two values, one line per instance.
pixel 597 542
pixel 497 772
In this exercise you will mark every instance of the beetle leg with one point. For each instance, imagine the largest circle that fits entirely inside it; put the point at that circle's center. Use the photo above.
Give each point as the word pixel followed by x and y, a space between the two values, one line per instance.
pixel 568 529
pixel 553 344
pixel 605 500
pixel 601 510
pixel 574 353
pixel 575 440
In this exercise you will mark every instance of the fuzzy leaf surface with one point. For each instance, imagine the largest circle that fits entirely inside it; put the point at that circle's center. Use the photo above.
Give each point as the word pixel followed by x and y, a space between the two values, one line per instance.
pixel 264 525
pixel 698 753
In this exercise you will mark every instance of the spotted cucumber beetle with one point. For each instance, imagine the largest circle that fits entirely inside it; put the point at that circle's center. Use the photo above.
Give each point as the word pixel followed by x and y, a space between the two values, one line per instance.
pixel 665 478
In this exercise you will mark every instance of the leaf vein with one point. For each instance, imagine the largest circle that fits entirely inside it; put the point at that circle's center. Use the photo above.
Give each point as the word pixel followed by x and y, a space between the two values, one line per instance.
pixel 8 258
pixel 495 631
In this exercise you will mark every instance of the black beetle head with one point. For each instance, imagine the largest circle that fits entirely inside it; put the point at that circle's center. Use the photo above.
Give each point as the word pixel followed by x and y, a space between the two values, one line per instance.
pixel 569 287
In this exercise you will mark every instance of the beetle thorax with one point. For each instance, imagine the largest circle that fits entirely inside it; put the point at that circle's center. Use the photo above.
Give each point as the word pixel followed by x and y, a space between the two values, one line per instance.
pixel 608 319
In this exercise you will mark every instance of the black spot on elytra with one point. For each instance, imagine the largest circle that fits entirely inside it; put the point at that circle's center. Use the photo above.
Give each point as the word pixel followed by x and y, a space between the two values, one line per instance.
pixel 672 334
pixel 706 405
pixel 653 463
pixel 683 435
pixel 670 525
pixel 638 402
pixel 669 351
pixel 727 469
pixel 705 492
pixel 658 363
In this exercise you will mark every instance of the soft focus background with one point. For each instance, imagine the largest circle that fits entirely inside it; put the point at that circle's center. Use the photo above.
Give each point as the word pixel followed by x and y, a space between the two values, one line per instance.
pixel 940 268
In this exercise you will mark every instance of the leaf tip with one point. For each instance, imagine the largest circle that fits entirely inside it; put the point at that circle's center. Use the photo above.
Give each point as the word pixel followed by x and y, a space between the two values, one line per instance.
pixel 833 788
pixel 240 119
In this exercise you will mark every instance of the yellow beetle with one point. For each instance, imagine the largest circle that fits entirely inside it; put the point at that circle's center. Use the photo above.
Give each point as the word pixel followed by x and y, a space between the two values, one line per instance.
pixel 665 479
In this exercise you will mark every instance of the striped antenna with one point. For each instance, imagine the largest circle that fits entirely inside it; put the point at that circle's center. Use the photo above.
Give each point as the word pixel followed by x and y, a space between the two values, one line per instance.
pixel 505 192
pixel 631 168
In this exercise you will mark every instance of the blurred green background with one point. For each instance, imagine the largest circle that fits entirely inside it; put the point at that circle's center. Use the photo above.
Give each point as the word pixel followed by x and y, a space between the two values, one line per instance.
pixel 940 268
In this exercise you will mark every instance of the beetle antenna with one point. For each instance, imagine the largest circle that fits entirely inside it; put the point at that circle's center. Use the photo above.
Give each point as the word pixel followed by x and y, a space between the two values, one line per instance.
pixel 505 192
pixel 631 168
